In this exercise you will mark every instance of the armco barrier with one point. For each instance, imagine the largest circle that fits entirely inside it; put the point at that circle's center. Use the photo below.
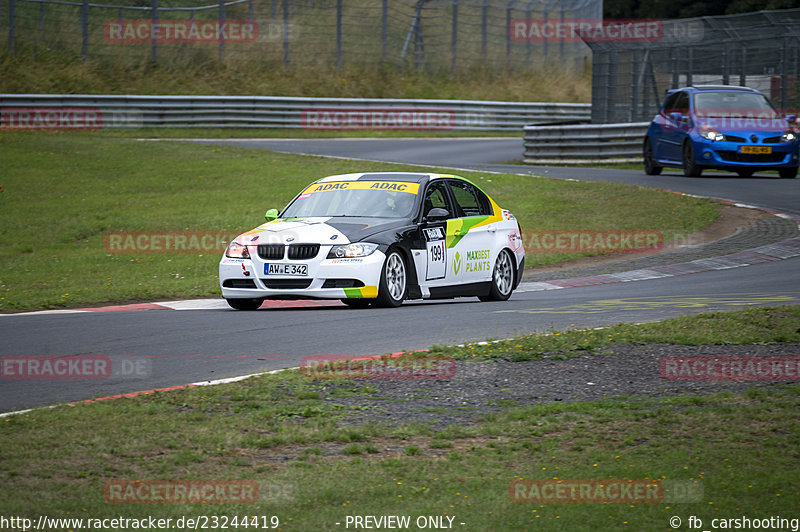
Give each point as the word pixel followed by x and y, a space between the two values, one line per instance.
pixel 46 111
pixel 585 143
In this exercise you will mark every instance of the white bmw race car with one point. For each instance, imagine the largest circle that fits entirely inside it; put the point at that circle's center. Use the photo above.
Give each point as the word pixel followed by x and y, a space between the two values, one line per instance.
pixel 378 238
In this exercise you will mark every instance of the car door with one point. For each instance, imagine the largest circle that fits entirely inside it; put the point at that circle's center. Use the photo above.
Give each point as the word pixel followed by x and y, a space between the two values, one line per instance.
pixel 471 235
pixel 434 233
pixel 675 131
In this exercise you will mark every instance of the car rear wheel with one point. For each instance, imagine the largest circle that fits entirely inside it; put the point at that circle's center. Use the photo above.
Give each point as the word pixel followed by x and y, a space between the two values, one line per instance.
pixel 502 278
pixel 392 290
pixel 690 167
pixel 245 304
pixel 787 173
pixel 650 166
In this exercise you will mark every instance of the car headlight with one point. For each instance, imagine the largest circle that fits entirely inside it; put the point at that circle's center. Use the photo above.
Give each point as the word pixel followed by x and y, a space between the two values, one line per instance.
pixel 359 249
pixel 711 133
pixel 789 136
pixel 237 250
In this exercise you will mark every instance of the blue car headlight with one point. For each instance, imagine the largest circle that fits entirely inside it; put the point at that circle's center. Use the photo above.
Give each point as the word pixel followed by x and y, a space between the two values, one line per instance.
pixel 711 133
pixel 789 136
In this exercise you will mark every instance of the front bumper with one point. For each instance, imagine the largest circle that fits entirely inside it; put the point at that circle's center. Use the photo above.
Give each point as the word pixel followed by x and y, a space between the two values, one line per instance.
pixel 725 154
pixel 326 279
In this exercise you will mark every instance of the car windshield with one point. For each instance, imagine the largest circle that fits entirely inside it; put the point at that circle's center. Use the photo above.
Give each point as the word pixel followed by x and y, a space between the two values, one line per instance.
pixel 378 199
pixel 736 104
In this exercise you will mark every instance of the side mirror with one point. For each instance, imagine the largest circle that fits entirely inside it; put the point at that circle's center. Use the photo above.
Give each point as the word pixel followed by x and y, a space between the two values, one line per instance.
pixel 792 119
pixel 437 214
pixel 676 117
pixel 271 215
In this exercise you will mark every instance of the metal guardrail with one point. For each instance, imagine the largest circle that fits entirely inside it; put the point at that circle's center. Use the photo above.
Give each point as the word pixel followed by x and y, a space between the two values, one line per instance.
pixel 46 111
pixel 585 143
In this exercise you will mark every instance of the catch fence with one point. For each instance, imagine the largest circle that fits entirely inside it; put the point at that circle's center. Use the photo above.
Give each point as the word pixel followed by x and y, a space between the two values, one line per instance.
pixel 433 35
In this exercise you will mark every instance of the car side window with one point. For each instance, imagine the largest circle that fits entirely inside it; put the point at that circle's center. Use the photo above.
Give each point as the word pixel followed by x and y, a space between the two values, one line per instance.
pixel 669 105
pixel 436 197
pixel 682 104
pixel 470 200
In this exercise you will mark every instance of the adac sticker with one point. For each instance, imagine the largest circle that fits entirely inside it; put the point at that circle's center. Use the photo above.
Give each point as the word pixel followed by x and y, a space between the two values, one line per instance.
pixel 397 186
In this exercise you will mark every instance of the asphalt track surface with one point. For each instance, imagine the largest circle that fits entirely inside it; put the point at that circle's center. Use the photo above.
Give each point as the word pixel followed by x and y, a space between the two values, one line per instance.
pixel 163 348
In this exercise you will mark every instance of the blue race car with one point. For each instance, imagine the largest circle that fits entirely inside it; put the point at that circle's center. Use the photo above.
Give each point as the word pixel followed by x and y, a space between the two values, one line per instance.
pixel 723 127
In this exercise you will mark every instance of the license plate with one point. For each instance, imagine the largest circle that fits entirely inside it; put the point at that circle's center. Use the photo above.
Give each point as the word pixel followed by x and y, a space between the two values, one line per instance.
pixel 286 269
pixel 755 149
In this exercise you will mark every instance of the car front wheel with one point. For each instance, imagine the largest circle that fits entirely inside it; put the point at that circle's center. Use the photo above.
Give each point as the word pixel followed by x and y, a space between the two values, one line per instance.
pixel 690 167
pixel 502 278
pixel 392 289
pixel 788 173
pixel 245 304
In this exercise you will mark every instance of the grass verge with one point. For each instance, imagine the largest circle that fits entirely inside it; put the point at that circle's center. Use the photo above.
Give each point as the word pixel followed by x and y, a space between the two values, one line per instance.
pixel 738 452
pixel 61 194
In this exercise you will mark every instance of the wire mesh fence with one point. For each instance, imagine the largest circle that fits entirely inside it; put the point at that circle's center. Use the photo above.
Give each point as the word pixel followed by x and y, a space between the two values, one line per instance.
pixel 760 50
pixel 424 34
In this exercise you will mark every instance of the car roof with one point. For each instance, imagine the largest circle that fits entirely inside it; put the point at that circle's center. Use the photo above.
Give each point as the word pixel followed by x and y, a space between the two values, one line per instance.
pixel 411 177
pixel 713 88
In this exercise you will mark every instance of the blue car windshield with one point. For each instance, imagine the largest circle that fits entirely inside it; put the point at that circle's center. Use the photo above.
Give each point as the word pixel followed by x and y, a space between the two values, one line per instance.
pixel 354 198
pixel 726 104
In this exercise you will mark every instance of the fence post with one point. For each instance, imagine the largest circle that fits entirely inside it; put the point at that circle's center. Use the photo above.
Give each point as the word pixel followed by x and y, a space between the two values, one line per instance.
pixel 507 32
pixel 12 21
pixel 454 38
pixel 154 30
pixel 743 71
pixel 285 33
pixel 338 34
pixel 484 16
pixel 221 26
pixel 41 20
pixel 85 29
pixel 784 73
pixel 384 28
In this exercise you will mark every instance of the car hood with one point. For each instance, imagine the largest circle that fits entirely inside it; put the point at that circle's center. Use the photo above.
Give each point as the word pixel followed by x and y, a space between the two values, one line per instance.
pixel 327 230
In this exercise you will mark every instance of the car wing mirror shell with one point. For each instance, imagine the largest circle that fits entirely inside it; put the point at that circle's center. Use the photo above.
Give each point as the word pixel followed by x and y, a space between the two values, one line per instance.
pixel 676 117
pixel 271 215
pixel 437 214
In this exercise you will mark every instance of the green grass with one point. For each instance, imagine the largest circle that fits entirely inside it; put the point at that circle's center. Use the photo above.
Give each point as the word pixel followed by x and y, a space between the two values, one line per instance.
pixel 753 325
pixel 52 72
pixel 61 193
pixel 738 451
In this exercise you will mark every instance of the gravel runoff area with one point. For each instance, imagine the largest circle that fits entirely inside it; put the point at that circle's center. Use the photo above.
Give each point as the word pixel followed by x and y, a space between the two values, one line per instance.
pixel 478 388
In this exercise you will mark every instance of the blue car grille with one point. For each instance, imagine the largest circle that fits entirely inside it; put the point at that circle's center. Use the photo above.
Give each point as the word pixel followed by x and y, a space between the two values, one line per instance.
pixel 736 157
pixel 734 138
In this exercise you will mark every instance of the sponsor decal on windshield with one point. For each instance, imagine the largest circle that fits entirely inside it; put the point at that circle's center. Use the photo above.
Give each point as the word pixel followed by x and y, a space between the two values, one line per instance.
pixel 396 186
